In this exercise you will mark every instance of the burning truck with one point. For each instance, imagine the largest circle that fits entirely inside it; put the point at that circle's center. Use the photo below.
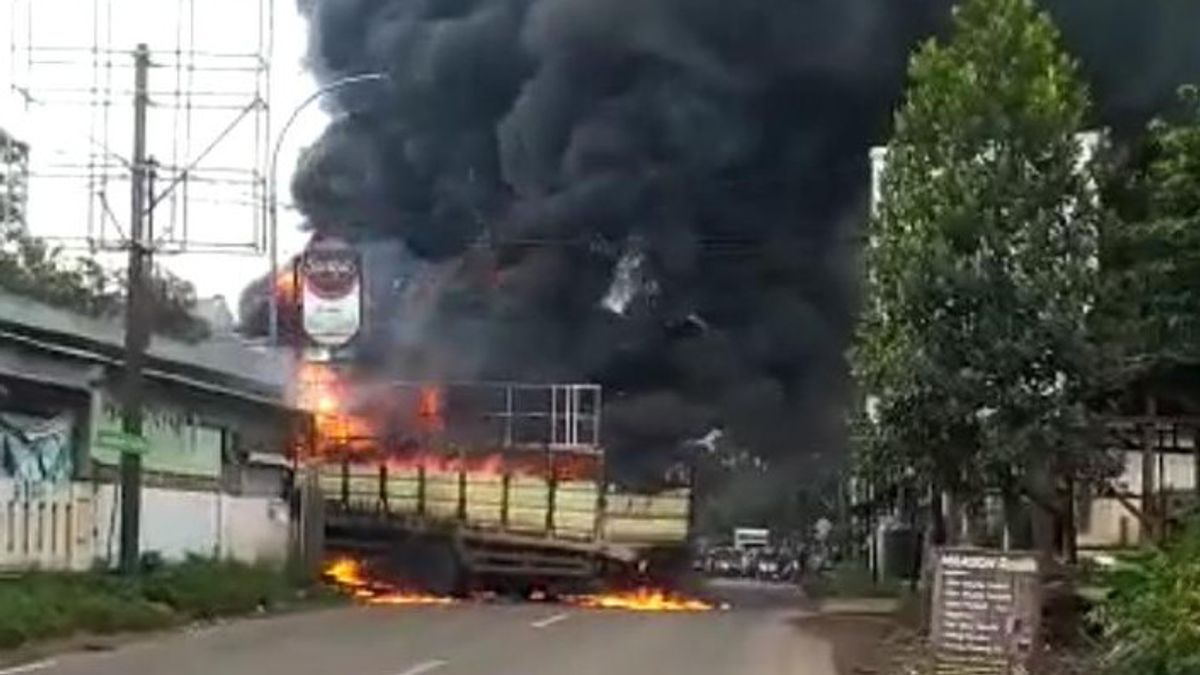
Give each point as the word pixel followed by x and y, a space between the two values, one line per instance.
pixel 454 486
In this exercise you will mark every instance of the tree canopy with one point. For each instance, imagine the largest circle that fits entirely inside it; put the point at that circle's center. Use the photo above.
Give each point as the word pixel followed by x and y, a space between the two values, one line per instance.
pixel 974 349
pixel 31 267
pixel 1151 249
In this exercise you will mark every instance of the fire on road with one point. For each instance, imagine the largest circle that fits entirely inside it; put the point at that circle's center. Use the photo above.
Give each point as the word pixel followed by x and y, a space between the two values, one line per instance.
pixel 352 577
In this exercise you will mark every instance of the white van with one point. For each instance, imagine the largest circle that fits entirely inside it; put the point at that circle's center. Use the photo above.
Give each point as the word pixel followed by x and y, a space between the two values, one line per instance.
pixel 749 539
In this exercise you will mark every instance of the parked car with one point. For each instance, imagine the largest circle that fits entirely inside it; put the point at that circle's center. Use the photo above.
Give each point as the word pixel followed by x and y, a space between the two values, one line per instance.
pixel 724 562
pixel 769 565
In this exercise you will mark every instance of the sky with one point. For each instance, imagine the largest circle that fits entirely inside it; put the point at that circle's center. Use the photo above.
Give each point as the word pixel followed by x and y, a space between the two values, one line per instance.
pixel 53 86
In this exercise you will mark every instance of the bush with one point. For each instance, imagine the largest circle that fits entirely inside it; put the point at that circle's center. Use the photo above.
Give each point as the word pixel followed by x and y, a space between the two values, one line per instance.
pixel 203 589
pixel 1151 617
pixel 40 606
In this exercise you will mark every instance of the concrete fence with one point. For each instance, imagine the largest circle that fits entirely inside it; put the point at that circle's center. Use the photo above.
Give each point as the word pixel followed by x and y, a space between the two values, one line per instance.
pixel 75 526
pixel 48 528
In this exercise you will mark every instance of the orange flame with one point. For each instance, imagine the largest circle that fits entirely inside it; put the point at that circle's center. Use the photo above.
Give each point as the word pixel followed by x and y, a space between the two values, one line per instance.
pixel 347 574
pixel 643 600
pixel 429 409
pixel 285 284
pixel 322 393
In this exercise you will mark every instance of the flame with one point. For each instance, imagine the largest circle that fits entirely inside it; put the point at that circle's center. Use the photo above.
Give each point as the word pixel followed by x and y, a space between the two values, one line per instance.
pixel 322 392
pixel 285 284
pixel 643 600
pixel 347 574
pixel 429 409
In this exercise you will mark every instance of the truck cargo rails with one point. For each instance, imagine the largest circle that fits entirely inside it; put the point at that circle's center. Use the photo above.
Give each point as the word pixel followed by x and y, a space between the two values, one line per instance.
pixel 514 516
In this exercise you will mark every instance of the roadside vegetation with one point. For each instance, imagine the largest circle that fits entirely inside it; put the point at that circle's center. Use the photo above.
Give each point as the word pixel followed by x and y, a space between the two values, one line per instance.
pixel 1151 617
pixel 42 605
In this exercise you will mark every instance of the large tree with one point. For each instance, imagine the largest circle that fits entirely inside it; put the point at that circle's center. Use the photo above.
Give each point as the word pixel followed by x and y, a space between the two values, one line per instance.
pixel 1151 251
pixel 981 265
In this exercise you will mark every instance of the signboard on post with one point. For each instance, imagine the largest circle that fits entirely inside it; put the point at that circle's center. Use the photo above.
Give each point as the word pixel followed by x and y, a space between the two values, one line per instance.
pixel 121 442
pixel 986 611
pixel 331 292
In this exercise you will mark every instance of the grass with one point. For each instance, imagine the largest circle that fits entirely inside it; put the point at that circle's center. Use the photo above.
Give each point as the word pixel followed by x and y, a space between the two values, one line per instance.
pixel 41 605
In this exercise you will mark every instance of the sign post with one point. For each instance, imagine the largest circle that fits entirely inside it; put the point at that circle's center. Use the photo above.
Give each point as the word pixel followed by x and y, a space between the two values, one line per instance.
pixel 124 443
pixel 986 611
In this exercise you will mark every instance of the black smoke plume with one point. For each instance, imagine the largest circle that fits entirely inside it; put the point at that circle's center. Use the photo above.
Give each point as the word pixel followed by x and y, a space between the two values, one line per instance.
pixel 661 196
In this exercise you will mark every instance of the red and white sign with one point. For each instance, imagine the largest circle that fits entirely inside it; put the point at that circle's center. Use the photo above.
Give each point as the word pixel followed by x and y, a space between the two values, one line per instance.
pixel 331 292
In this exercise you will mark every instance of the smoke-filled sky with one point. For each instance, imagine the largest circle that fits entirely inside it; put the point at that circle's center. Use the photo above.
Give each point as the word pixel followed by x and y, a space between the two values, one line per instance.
pixel 658 195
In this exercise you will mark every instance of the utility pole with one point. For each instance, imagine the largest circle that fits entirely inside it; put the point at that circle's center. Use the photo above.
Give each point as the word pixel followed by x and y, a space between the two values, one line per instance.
pixel 137 321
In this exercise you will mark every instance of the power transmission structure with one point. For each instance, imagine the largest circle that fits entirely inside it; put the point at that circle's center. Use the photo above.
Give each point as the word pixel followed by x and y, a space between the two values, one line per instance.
pixel 208 118
pixel 203 108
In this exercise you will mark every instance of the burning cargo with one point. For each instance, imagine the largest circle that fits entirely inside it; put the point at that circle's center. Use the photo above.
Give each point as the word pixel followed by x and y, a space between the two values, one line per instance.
pixel 476 485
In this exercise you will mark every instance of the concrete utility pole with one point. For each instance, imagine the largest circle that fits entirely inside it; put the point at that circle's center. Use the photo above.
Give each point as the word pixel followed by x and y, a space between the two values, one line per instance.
pixel 137 321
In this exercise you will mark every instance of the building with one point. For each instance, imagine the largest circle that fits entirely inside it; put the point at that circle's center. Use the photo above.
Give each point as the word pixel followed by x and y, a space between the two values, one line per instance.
pixel 215 312
pixel 217 469
pixel 14 181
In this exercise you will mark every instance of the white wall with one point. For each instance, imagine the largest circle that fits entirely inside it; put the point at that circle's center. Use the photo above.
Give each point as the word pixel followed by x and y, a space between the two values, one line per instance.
pixel 49 529
pixel 1110 519
pixel 178 522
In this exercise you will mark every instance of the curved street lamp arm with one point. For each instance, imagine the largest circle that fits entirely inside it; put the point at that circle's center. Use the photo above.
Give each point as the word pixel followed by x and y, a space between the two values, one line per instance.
pixel 273 192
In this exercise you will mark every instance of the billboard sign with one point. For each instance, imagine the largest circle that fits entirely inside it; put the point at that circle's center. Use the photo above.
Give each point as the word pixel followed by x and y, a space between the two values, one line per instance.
pixel 331 292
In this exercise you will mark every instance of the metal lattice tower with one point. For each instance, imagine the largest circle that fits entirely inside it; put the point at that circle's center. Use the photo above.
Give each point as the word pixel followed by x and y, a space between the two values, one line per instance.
pixel 209 121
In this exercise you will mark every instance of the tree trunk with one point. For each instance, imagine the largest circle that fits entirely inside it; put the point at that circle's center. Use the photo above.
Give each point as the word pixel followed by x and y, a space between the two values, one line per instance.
pixel 1149 466
pixel 1070 534
pixel 956 534
pixel 934 539
pixel 1042 496
pixel 1016 521
pixel 937 518
pixel 974 522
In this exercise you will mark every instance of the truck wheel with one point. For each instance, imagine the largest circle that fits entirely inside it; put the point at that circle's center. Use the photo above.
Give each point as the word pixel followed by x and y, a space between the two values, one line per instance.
pixel 430 565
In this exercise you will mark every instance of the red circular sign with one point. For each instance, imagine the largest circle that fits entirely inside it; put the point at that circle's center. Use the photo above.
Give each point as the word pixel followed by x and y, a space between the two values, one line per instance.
pixel 330 268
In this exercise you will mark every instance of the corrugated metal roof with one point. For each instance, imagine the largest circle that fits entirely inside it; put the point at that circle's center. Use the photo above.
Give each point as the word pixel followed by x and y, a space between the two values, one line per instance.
pixel 230 365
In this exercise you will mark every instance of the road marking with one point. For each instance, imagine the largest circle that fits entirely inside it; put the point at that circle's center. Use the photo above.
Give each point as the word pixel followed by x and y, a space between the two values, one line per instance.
pixel 29 667
pixel 422 667
pixel 548 621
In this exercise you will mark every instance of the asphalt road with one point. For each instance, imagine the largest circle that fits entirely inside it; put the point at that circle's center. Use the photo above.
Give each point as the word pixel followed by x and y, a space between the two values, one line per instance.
pixel 756 636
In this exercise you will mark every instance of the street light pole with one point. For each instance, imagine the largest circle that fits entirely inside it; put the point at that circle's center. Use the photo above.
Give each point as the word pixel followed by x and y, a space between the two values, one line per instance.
pixel 273 193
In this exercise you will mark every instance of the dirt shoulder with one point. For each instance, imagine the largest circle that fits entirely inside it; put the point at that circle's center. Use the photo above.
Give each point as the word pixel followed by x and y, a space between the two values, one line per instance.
pixel 863 644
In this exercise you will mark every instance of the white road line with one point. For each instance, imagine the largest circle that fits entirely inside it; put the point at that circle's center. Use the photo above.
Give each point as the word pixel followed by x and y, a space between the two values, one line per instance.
pixel 422 667
pixel 548 621
pixel 29 667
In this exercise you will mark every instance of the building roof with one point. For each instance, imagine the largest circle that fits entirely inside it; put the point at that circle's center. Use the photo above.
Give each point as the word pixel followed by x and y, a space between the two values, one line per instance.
pixel 220 365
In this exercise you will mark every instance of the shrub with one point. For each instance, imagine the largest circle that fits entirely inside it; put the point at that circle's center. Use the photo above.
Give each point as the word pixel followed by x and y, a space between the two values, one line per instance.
pixel 1151 617
pixel 40 606
pixel 203 588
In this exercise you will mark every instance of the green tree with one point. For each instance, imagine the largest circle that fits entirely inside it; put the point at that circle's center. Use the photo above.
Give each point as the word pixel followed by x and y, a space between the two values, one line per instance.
pixel 31 267
pixel 1150 253
pixel 981 267
pixel 14 156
